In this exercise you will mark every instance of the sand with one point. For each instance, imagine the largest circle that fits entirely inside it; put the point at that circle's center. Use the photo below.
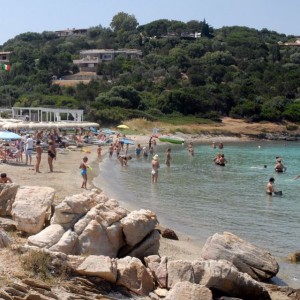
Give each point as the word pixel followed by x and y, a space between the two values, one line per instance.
pixel 66 180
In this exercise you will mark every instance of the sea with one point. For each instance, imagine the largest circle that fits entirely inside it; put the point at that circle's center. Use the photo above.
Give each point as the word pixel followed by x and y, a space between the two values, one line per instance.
pixel 198 198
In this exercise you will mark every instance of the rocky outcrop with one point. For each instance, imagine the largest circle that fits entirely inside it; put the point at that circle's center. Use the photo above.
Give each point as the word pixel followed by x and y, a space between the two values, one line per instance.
pixel 7 197
pixel 220 276
pixel 189 291
pixel 31 206
pixel 247 258
pixel 92 224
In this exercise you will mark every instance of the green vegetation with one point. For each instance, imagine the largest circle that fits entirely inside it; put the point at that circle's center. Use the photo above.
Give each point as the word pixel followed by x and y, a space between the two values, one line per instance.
pixel 231 71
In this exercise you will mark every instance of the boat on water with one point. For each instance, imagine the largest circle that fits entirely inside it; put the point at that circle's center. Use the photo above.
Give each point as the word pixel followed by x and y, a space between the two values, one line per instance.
pixel 171 139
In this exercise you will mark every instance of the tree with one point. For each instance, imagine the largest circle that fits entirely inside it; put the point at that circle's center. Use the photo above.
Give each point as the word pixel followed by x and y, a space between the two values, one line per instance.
pixel 124 21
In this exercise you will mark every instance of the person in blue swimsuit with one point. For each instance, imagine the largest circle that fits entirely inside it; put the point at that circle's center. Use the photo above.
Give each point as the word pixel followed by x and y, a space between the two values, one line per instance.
pixel 83 171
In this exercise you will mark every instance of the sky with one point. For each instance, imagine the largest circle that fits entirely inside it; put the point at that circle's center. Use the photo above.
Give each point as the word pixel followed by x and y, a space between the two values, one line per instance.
pixel 20 16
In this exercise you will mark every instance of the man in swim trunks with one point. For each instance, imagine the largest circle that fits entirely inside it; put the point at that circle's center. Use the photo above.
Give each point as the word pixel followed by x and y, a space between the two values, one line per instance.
pixel 83 171
pixel 279 167
pixel 270 187
pixel 155 167
pixel 28 149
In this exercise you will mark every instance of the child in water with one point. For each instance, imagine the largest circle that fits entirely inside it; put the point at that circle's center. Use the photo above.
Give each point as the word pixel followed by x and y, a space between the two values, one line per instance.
pixel 83 171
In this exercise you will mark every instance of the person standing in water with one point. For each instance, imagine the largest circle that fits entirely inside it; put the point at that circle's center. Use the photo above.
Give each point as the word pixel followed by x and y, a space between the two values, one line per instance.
pixel 155 167
pixel 168 157
pixel 191 149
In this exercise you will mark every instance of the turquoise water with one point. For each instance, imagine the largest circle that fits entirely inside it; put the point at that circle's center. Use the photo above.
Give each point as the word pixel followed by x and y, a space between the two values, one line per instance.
pixel 198 198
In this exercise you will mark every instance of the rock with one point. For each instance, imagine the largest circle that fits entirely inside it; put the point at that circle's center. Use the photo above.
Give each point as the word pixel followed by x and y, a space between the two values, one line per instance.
pixel 5 296
pixel 294 257
pixel 169 234
pixel 5 241
pixel 137 224
pixel 256 262
pixel 67 243
pixel 161 292
pixel 133 275
pixel 149 246
pixel 74 207
pixel 100 266
pixel 7 197
pixel 8 224
pixel 48 237
pixel 178 271
pixel 224 276
pixel 158 266
pixel 189 291
pixel 96 240
pixel 30 207
pixel 36 283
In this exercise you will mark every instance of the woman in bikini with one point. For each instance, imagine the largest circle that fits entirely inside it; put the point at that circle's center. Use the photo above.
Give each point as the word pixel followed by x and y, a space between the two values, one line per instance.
pixel 51 154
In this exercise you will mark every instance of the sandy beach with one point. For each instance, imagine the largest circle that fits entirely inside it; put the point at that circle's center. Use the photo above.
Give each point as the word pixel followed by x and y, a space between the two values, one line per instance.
pixel 66 180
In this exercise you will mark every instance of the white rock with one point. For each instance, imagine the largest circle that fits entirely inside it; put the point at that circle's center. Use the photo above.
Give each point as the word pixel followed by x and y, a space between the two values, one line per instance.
pixel 67 243
pixel 30 207
pixel 48 237
pixel 100 266
pixel 137 224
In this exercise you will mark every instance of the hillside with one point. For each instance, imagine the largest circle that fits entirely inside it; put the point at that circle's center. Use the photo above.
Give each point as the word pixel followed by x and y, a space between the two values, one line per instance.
pixel 234 72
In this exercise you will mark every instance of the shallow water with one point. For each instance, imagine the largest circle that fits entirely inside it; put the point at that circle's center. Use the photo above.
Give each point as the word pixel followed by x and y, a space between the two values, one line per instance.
pixel 198 198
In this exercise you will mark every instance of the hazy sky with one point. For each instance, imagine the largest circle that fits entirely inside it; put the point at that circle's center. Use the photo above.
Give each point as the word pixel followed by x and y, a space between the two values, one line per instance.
pixel 19 16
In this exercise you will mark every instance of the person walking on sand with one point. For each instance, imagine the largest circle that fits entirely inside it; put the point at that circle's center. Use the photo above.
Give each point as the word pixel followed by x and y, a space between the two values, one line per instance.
pixel 39 151
pixel 51 154
pixel 83 171
pixel 168 157
pixel 155 167
pixel 28 149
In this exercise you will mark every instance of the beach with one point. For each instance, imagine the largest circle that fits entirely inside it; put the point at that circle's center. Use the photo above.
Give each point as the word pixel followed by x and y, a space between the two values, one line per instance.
pixel 66 180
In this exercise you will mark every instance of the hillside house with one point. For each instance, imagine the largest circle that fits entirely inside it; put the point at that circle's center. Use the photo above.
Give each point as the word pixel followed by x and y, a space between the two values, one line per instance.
pixel 89 59
pixel 5 57
pixel 296 43
pixel 71 32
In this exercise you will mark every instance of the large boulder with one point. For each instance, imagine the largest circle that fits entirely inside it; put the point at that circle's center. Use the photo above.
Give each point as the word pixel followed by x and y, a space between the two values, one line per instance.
pixel 5 241
pixel 74 207
pixel 134 276
pixel 67 242
pixel 7 197
pixel 178 271
pixel 247 258
pixel 224 276
pixel 96 239
pixel 100 266
pixel 31 207
pixel 138 224
pixel 189 291
pixel 149 246
pixel 48 237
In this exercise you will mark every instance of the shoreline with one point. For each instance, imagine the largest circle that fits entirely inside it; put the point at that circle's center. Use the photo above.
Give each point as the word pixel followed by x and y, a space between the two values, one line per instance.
pixel 66 180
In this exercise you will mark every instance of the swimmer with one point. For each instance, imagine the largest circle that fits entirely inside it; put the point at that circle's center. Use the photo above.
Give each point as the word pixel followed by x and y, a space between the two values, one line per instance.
pixel 191 149
pixel 168 157
pixel 123 159
pixel 270 189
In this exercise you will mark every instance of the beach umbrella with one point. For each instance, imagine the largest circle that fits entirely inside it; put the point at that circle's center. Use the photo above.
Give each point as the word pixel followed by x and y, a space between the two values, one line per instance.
pixel 122 126
pixel 9 136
